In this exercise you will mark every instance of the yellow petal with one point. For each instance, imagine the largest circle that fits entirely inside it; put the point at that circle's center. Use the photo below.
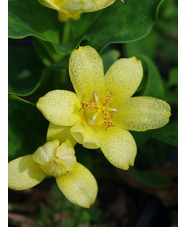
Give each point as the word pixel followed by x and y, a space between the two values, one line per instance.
pixel 24 173
pixel 50 3
pixel 119 147
pixel 79 186
pixel 78 5
pixel 101 4
pixel 46 153
pixel 124 77
pixel 143 113
pixel 61 133
pixel 66 155
pixel 85 135
pixel 60 107
pixel 86 72
pixel 86 6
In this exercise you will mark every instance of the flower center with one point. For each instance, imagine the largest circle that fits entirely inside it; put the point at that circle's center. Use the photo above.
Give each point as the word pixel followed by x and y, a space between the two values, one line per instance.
pixel 100 107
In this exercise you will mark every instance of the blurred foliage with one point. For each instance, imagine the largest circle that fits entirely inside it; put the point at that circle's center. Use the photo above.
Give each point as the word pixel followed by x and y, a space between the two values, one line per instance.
pixel 59 212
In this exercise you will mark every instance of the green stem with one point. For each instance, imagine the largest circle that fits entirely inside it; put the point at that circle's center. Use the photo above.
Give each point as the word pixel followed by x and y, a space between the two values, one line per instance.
pixel 66 31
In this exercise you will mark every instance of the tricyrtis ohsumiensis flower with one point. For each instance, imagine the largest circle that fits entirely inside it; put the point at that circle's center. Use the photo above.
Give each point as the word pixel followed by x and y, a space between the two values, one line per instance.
pixel 58 160
pixel 102 111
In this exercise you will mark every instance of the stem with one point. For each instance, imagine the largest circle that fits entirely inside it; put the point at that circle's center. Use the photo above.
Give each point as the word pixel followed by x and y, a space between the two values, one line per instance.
pixel 66 31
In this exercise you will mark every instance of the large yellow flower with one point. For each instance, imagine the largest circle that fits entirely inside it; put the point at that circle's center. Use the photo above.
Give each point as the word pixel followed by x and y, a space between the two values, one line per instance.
pixel 73 8
pixel 102 111
pixel 58 160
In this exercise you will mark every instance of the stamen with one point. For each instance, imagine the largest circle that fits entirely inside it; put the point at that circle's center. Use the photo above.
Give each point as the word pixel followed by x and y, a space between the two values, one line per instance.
pixel 114 110
pixel 102 107
pixel 93 119
pixel 108 98
pixel 95 95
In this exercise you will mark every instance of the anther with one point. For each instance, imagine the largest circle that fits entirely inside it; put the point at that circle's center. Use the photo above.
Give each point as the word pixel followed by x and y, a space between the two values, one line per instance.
pixel 93 119
pixel 95 95
pixel 114 110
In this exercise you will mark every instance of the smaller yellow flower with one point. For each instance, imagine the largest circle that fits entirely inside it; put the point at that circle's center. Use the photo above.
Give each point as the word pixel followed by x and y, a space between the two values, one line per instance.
pixel 57 160
pixel 73 8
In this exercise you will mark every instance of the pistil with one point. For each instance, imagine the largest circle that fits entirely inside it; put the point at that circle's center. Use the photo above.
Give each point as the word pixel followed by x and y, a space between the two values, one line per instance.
pixel 103 107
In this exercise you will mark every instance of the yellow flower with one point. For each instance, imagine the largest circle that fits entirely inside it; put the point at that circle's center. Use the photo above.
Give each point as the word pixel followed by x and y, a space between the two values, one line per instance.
pixel 73 8
pixel 58 160
pixel 102 111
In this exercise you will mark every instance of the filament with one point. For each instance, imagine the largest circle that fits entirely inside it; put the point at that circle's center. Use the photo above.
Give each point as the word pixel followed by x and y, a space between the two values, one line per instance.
pixel 95 95
pixel 93 119
pixel 114 110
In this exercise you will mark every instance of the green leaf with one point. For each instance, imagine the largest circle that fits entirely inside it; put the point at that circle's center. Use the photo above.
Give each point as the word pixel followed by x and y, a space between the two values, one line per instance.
pixel 115 24
pixel 154 84
pixel 29 18
pixel 146 46
pixel 53 78
pixel 172 87
pixel 150 179
pixel 167 134
pixel 25 71
pixel 119 24
pixel 109 57
pixel 26 129
pixel 173 77
pixel 46 52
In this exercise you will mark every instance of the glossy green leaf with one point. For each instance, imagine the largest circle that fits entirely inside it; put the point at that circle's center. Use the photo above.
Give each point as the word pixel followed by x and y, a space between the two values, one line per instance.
pixel 154 82
pixel 29 18
pixel 115 24
pixel 118 23
pixel 25 70
pixel 26 127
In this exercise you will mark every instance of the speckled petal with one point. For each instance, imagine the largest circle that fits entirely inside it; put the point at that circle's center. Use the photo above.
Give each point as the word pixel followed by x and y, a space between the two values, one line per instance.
pixel 86 72
pixel 61 133
pixel 24 173
pixel 60 107
pixel 79 186
pixel 101 4
pixel 124 77
pixel 53 4
pixel 86 6
pixel 85 135
pixel 119 148
pixel 143 113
